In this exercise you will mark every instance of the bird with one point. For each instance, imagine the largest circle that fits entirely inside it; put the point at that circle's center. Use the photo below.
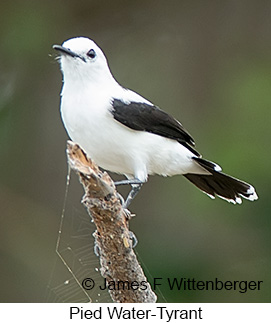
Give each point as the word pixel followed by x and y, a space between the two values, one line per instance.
pixel 125 133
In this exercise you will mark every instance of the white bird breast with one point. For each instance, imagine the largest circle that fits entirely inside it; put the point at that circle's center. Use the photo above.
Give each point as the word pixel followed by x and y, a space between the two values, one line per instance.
pixel 115 147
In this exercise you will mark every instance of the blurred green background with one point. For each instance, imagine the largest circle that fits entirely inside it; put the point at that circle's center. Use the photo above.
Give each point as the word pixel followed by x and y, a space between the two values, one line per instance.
pixel 208 63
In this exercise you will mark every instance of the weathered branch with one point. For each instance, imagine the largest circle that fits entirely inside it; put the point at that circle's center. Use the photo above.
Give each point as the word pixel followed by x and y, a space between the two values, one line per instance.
pixel 118 261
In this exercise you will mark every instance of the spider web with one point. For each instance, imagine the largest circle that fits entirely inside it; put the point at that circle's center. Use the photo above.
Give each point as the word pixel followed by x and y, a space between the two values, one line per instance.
pixel 75 259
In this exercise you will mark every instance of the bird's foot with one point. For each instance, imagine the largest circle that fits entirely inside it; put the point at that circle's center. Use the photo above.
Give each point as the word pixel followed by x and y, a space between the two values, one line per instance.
pixel 133 238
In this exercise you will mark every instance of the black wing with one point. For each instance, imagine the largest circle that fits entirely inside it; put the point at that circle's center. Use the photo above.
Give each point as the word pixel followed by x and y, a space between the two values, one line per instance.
pixel 145 117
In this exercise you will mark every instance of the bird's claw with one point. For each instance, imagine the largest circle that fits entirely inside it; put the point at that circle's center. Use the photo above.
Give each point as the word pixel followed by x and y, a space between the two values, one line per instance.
pixel 133 238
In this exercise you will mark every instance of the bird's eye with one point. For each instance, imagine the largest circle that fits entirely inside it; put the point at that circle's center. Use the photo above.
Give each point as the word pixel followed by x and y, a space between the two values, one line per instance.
pixel 91 53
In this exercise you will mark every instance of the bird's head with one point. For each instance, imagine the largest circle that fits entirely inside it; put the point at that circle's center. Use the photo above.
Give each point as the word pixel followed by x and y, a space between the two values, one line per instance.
pixel 81 58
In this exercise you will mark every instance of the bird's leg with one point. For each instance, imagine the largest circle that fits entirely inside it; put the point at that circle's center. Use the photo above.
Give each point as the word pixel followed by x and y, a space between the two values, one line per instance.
pixel 122 201
pixel 136 186
pixel 128 182
pixel 132 194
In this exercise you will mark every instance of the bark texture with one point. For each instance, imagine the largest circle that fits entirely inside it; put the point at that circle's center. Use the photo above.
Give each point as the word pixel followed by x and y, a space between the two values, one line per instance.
pixel 118 261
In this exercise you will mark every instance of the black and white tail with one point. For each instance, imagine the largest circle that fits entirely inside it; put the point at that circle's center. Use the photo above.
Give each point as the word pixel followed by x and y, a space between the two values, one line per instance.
pixel 222 185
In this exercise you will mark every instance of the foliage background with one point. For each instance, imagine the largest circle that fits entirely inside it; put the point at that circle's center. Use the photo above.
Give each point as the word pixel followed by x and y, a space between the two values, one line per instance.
pixel 205 62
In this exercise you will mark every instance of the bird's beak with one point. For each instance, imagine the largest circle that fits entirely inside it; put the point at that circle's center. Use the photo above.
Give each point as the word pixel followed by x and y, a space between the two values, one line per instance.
pixel 67 51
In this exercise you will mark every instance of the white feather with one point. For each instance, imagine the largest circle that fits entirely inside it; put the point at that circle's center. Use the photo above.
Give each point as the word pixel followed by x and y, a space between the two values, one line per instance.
pixel 87 95
pixel 86 109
